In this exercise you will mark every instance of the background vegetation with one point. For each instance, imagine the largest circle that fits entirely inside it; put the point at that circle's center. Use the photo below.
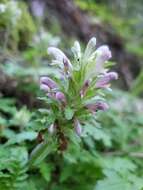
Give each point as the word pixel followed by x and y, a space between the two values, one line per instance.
pixel 110 157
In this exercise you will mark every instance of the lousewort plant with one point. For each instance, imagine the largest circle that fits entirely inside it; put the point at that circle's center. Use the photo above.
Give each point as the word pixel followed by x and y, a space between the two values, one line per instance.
pixel 73 96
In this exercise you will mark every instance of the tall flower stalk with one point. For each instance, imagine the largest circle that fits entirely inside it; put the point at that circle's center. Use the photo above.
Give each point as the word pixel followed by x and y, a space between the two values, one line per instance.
pixel 73 97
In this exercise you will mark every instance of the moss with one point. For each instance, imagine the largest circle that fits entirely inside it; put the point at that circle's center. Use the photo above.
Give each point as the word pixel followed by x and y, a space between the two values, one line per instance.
pixel 18 35
pixel 26 27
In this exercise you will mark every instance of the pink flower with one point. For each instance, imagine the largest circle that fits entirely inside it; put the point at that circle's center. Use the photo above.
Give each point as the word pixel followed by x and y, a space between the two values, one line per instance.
pixel 44 87
pixel 60 96
pixel 59 56
pixel 97 106
pixel 104 81
pixel 103 55
pixel 48 82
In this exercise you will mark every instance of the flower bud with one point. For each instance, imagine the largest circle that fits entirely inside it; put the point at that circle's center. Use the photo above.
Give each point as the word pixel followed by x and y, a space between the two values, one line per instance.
pixel 103 54
pixel 60 96
pixel 49 82
pixel 97 106
pixel 77 126
pixel 59 55
pixel 113 75
pixel 104 81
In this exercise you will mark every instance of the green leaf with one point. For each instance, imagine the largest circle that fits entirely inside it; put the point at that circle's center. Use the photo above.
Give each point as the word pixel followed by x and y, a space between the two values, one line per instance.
pixel 69 113
pixel 120 165
pixel 97 134
pixel 45 170
pixel 40 153
pixel 113 182
pixel 7 105
pixel 23 136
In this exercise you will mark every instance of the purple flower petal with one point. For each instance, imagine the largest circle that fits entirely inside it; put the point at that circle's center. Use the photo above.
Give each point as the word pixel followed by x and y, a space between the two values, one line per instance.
pixel 60 96
pixel 104 81
pixel 97 106
pixel 49 82
pixel 103 55
pixel 59 55
pixel 44 87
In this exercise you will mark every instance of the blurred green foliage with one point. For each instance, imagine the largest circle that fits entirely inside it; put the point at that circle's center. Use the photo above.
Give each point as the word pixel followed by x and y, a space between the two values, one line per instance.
pixel 125 17
pixel 16 25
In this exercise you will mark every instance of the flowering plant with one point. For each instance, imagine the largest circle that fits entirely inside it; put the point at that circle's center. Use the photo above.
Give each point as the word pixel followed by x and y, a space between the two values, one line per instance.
pixel 74 95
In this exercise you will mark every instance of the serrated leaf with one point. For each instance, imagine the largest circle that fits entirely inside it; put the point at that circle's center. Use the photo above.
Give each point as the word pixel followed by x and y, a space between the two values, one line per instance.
pixel 97 134
pixel 114 182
